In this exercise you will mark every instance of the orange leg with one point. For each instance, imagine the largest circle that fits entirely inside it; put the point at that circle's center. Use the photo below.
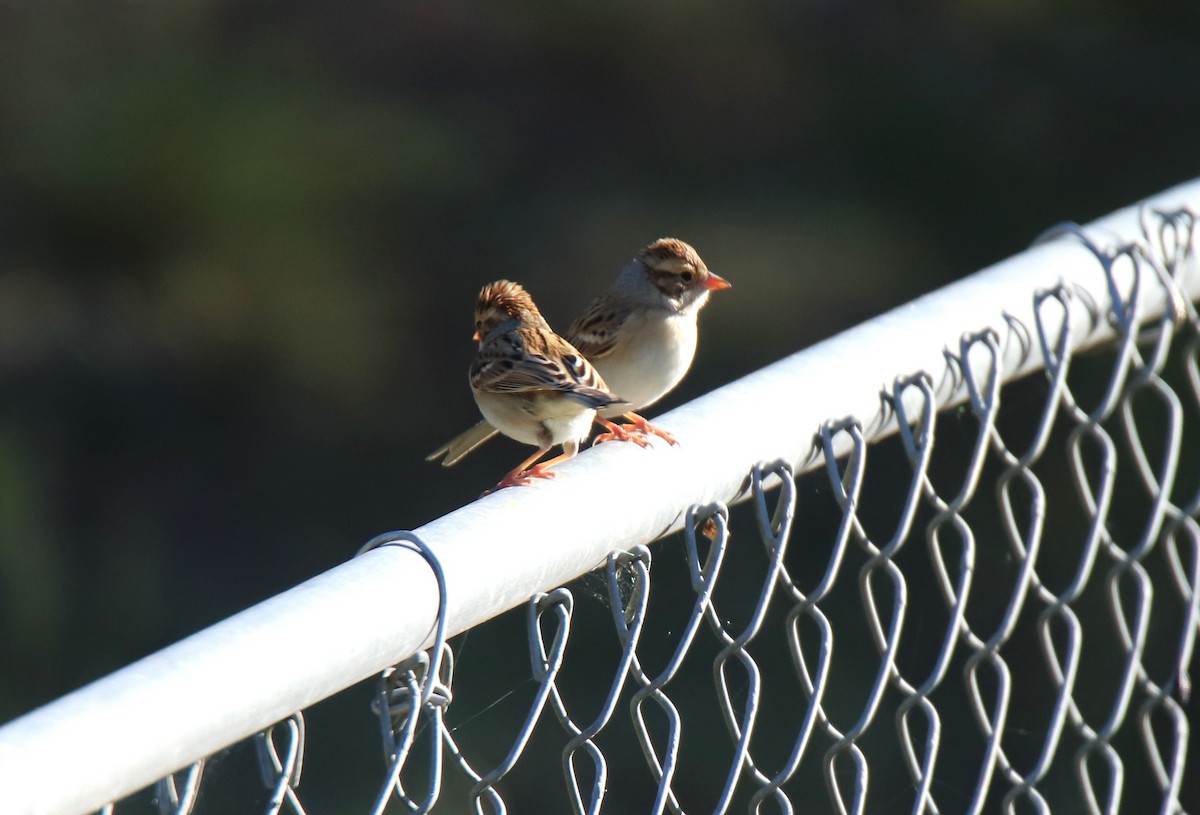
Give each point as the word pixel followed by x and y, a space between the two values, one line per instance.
pixel 618 432
pixel 644 426
pixel 526 472
pixel 543 470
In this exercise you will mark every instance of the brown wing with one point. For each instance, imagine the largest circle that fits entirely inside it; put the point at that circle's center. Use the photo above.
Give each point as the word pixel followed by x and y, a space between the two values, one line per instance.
pixel 595 332
pixel 528 361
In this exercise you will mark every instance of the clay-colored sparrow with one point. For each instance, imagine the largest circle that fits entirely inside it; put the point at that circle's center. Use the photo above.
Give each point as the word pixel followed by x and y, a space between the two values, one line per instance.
pixel 641 333
pixel 530 383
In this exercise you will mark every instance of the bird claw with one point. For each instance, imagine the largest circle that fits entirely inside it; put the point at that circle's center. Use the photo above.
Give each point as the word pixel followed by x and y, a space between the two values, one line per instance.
pixel 657 431
pixel 521 479
pixel 619 433
pixel 636 431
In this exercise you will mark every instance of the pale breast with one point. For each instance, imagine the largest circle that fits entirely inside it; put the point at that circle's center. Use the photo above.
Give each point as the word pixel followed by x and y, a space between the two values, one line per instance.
pixel 651 359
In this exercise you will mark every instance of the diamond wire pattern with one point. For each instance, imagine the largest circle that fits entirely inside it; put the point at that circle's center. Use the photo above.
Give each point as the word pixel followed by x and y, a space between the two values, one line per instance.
pixel 1012 681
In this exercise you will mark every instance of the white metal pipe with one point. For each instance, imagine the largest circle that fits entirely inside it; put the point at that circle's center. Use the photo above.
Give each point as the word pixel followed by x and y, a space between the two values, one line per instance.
pixel 237 677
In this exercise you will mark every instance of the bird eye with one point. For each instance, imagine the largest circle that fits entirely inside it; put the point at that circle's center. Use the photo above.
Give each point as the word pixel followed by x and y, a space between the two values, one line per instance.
pixel 687 277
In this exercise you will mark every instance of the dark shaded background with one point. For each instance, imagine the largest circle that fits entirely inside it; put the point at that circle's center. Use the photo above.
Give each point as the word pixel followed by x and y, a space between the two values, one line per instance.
pixel 240 242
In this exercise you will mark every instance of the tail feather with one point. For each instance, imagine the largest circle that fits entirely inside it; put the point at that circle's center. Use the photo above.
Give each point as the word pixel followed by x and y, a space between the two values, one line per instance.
pixel 594 397
pixel 454 450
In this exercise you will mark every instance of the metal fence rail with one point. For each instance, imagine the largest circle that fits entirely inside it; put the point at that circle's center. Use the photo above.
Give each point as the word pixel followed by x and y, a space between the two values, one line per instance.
pixel 1026 654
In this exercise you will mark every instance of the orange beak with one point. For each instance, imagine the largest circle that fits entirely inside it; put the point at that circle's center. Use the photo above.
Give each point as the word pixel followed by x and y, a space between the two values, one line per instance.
pixel 714 282
pixel 476 336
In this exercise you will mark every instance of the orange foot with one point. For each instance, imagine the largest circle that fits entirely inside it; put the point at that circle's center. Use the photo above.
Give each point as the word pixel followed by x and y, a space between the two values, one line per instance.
pixel 643 426
pixel 521 479
pixel 525 474
pixel 618 432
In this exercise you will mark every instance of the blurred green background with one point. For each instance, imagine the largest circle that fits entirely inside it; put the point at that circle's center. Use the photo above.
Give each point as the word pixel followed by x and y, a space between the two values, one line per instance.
pixel 240 242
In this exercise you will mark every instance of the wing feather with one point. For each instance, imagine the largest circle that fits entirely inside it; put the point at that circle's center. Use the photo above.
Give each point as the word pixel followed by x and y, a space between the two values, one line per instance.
pixel 595 332
pixel 513 363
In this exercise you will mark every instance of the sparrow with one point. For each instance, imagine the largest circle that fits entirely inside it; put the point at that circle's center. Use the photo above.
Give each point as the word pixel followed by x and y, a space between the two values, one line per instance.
pixel 640 333
pixel 530 383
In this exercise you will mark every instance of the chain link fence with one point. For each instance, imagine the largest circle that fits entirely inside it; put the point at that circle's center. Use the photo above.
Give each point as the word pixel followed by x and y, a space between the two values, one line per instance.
pixel 981 597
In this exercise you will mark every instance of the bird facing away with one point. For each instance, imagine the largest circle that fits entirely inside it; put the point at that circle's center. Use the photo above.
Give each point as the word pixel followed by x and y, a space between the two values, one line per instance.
pixel 529 383
pixel 641 333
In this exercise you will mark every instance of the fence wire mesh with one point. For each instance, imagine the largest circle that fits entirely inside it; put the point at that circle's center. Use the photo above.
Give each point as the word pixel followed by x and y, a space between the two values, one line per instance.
pixel 998 614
